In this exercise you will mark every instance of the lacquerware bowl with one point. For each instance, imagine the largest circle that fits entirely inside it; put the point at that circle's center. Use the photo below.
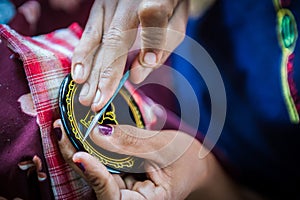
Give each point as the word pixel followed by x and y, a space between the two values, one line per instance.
pixel 76 119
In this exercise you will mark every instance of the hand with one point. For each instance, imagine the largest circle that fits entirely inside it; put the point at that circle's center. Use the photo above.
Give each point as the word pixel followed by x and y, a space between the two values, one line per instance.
pixel 67 6
pixel 32 12
pixel 100 57
pixel 172 164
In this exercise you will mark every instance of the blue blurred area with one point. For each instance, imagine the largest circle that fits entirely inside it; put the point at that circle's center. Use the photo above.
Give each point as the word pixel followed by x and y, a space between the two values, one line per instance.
pixel 7 11
pixel 259 146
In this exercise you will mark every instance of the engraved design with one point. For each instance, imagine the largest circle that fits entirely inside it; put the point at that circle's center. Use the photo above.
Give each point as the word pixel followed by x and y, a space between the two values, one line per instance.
pixel 110 115
pixel 116 163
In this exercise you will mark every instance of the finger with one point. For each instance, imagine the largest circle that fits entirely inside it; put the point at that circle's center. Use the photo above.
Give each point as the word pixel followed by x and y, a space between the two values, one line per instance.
pixel 31 11
pixel 176 29
pixel 149 190
pixel 138 73
pixel 119 181
pixel 110 8
pixel 129 181
pixel 113 52
pixel 66 148
pixel 154 18
pixel 88 91
pixel 162 147
pixel 173 35
pixel 129 195
pixel 84 52
pixel 99 178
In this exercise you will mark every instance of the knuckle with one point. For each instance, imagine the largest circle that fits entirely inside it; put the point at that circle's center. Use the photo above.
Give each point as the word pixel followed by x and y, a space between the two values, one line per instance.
pixel 84 52
pixel 107 72
pixel 127 138
pixel 67 155
pixel 78 54
pixel 113 38
pixel 66 150
pixel 92 33
pixel 155 10
pixel 97 183
pixel 153 38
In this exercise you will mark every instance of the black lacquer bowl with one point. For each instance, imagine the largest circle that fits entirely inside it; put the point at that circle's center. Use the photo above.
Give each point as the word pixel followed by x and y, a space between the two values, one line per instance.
pixel 76 119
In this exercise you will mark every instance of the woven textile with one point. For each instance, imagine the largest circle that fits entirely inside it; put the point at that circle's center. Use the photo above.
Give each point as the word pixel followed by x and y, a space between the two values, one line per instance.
pixel 46 61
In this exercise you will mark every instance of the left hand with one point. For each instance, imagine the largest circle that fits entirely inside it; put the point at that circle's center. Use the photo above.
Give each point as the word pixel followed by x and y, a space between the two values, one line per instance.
pixel 172 165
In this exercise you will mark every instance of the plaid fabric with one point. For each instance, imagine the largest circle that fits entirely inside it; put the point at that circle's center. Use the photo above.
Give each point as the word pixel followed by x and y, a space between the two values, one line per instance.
pixel 46 62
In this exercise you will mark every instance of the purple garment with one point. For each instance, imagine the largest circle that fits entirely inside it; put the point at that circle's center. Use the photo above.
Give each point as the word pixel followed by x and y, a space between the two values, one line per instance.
pixel 19 133
pixel 19 136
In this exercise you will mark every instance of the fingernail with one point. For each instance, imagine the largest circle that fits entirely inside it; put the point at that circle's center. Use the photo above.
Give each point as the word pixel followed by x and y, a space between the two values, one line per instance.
pixel 97 97
pixel 42 176
pixel 58 133
pixel 105 129
pixel 85 89
pixel 78 71
pixel 80 166
pixel 12 56
pixel 150 58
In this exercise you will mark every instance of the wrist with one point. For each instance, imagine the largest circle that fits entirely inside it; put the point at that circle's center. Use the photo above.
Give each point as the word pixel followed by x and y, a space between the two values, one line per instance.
pixel 214 183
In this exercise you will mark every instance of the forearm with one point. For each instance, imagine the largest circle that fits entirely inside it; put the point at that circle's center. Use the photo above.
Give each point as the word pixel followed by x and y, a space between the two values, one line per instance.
pixel 218 185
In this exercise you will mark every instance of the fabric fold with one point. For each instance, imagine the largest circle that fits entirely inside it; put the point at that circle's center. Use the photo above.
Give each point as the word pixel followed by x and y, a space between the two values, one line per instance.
pixel 46 60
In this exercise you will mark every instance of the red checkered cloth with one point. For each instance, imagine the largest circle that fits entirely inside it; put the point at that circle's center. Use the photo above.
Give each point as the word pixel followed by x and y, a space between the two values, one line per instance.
pixel 46 61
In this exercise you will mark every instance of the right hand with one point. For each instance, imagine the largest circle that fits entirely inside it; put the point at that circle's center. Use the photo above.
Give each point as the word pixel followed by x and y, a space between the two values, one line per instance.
pixel 100 57
pixel 172 164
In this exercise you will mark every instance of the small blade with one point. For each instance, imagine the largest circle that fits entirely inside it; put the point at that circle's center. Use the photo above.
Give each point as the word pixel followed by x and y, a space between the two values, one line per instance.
pixel 102 111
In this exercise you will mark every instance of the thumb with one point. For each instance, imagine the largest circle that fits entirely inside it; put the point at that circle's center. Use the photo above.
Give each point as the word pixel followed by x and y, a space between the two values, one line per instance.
pixel 151 56
pixel 87 166
pixel 98 177
pixel 162 30
pixel 161 147
pixel 153 17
